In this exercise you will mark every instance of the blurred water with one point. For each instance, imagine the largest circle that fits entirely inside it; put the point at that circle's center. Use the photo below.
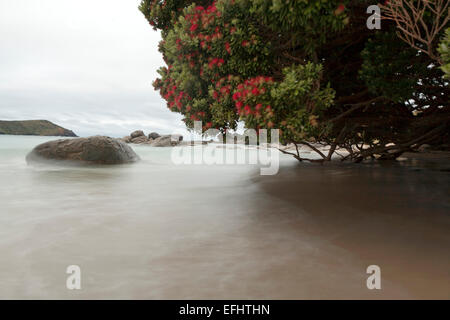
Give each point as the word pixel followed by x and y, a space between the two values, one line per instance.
pixel 157 230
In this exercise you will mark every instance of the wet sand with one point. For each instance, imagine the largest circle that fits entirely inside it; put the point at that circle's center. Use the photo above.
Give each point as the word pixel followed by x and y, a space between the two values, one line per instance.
pixel 387 215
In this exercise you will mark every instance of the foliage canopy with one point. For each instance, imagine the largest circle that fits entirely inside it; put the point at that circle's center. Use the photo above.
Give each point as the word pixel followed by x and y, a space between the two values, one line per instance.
pixel 310 68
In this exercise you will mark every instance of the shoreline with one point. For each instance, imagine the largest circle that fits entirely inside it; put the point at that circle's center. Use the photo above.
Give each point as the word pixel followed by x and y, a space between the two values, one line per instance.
pixel 222 232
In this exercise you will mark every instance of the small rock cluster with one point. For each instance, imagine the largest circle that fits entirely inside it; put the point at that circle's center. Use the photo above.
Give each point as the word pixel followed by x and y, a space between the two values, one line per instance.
pixel 153 139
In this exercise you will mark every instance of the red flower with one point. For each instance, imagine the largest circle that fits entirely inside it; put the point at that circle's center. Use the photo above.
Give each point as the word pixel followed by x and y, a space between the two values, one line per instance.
pixel 247 110
pixel 255 91
pixel 236 96
pixel 239 104
pixel 194 27
pixel 227 47
pixel 339 9
pixel 245 43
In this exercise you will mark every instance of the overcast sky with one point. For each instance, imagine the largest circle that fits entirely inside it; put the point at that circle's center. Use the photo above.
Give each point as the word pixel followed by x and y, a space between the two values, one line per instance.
pixel 86 65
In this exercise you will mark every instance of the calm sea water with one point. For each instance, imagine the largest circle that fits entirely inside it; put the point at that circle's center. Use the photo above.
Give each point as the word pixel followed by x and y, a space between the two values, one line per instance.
pixel 157 230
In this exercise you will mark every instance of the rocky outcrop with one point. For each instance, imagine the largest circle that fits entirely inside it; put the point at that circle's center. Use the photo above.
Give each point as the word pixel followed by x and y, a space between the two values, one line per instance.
pixel 154 139
pixel 164 141
pixel 153 135
pixel 34 128
pixel 167 141
pixel 92 150
pixel 137 133
pixel 139 140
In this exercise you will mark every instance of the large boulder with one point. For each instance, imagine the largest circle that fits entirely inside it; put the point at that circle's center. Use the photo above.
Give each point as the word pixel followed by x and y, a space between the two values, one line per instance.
pixel 92 150
pixel 137 133
pixel 154 135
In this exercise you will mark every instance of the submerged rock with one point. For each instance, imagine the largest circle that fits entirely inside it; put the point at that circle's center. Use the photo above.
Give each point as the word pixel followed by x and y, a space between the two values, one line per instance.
pixel 92 150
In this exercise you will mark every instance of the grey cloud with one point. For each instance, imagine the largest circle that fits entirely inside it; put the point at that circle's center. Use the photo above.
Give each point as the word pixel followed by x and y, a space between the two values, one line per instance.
pixel 86 65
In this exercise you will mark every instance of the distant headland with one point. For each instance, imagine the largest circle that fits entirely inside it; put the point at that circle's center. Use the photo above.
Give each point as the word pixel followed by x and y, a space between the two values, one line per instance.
pixel 34 128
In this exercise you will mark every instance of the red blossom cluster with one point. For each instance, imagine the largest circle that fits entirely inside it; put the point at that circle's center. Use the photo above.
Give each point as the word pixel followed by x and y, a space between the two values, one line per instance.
pixel 202 17
pixel 199 23
pixel 224 87
pixel 227 47
pixel 175 97
pixel 215 62
pixel 198 116
pixel 246 99
pixel 209 34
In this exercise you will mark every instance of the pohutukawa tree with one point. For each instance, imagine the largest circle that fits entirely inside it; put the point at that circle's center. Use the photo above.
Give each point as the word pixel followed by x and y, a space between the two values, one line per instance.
pixel 309 68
